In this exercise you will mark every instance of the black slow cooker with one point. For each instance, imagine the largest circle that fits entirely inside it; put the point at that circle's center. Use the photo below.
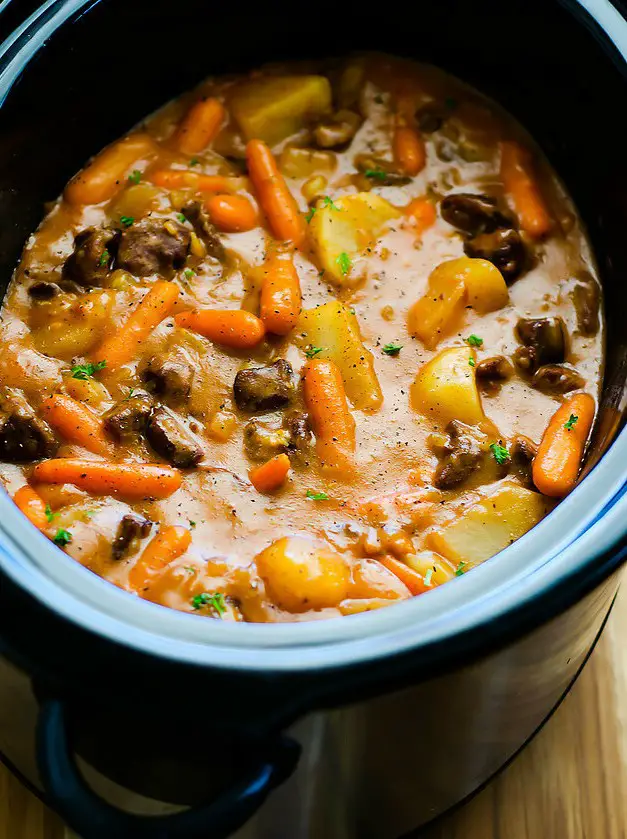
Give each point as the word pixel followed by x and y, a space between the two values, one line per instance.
pixel 136 721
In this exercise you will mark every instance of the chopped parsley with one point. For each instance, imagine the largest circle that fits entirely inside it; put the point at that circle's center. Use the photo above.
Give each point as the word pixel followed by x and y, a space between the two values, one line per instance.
pixel 135 176
pixel 131 391
pixel 62 537
pixel 181 218
pixel 471 361
pixel 86 371
pixel 189 273
pixel 105 256
pixel 310 214
pixel 312 352
pixel 427 577
pixel 571 422
pixel 376 174
pixel 214 601
pixel 344 261
pixel 317 496
pixel 393 348
pixel 194 161
pixel 49 514
pixel 474 341
pixel 460 569
pixel 192 523
pixel 501 455
pixel 328 202
pixel 126 221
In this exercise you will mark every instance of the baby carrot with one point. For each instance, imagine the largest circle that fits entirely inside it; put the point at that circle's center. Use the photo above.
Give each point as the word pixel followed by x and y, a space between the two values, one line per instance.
pixel 332 422
pixel 520 183
pixel 106 173
pixel 557 462
pixel 232 213
pixel 230 327
pixel 199 126
pixel 126 343
pixel 76 423
pixel 412 579
pixel 408 149
pixel 281 298
pixel 169 544
pixel 183 178
pixel 271 474
pixel 422 213
pixel 133 480
pixel 274 195
pixel 33 507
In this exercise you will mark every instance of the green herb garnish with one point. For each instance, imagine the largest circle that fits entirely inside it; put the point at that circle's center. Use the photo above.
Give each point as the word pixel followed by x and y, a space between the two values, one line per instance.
pixel 501 455
pixel 460 569
pixel 310 214
pixel 471 361
pixel 62 537
pixel 194 161
pixel 192 523
pixel 135 176
pixel 189 273
pixel 317 496
pixel 181 218
pixel 474 341
pixel 86 371
pixel 344 261
pixel 214 601
pixel 571 422
pixel 376 174
pixel 49 514
pixel 126 221
pixel 328 202
pixel 105 256
pixel 427 577
pixel 312 352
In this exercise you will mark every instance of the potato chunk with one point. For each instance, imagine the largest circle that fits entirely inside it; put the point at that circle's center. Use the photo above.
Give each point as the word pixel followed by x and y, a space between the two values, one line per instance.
pixel 445 389
pixel 343 229
pixel 70 325
pixel 275 107
pixel 492 524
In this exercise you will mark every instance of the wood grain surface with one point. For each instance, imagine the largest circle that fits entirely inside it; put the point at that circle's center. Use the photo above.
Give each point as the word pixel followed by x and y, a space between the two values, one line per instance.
pixel 570 783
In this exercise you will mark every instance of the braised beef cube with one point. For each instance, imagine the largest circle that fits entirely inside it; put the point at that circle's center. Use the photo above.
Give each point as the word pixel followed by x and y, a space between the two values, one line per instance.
pixel 170 375
pixel 337 130
pixel 431 118
pixel 473 214
pixel 43 291
pixel 557 379
pixel 503 248
pixel 24 436
pixel 264 388
pixel 546 337
pixel 129 417
pixel 460 456
pixel 170 438
pixel 196 214
pixel 522 451
pixel 94 251
pixel 494 369
pixel 265 438
pixel 131 529
pixel 296 423
pixel 153 246
pixel 586 300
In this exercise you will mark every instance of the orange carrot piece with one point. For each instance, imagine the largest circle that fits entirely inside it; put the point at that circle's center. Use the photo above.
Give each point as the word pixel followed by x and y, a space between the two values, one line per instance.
pixel 126 343
pixel 422 213
pixel 332 421
pixel 281 297
pixel 276 200
pixel 556 465
pixel 409 150
pixel 199 126
pixel 32 505
pixel 133 480
pixel 106 173
pixel 412 579
pixel 169 544
pixel 77 423
pixel 271 474
pixel 232 213
pixel 230 327
pixel 183 178
pixel 520 183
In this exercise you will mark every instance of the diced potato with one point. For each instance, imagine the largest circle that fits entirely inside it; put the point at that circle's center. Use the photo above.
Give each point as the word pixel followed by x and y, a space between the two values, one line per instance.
pixel 333 328
pixel 70 325
pixel 486 288
pixel 343 229
pixel 135 201
pixel 445 389
pixel 90 391
pixel 275 107
pixel 296 162
pixel 492 524
pixel 222 425
pixel 425 561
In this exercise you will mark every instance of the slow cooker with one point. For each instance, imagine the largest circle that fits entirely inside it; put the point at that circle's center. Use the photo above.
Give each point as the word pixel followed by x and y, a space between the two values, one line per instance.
pixel 132 720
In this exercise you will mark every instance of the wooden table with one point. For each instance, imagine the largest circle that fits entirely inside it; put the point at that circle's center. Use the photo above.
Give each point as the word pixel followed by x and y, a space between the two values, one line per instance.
pixel 571 783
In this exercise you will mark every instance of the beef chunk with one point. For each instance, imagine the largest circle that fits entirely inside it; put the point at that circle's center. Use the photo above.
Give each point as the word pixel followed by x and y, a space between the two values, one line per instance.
pixel 544 340
pixel 170 375
pixel 493 369
pixel 264 388
pixel 586 299
pixel 337 130
pixel 129 417
pixel 153 246
pixel 379 172
pixel 265 438
pixel 296 423
pixel 522 452
pixel 460 456
pixel 23 435
pixel 473 214
pixel 196 214
pixel 503 248
pixel 131 529
pixel 431 117
pixel 94 251
pixel 171 439
pixel 557 378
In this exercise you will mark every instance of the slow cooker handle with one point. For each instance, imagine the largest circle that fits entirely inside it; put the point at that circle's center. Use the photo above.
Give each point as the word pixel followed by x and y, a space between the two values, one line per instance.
pixel 92 818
